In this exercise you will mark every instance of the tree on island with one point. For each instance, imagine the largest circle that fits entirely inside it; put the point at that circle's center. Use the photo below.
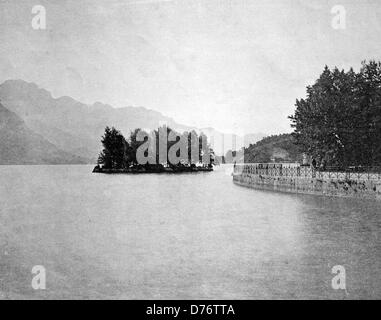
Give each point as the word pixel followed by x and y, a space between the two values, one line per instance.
pixel 135 143
pixel 156 148
pixel 115 149
pixel 339 122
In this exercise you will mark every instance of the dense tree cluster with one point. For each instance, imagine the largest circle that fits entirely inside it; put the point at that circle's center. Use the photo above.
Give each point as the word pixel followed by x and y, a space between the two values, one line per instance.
pixel 278 148
pixel 121 153
pixel 339 122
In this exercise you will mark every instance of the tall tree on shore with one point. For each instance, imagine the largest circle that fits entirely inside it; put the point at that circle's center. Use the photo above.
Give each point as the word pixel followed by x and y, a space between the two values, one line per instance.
pixel 368 104
pixel 339 120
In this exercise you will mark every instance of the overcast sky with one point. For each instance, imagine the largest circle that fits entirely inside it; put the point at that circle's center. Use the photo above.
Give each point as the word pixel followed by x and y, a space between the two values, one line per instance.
pixel 235 65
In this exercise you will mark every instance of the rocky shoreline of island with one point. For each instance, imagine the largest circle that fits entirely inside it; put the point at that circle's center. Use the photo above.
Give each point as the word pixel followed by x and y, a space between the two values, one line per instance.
pixel 154 169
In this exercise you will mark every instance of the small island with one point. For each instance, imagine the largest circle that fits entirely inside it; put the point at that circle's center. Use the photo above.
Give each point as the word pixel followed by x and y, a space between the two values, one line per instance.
pixel 154 169
pixel 160 151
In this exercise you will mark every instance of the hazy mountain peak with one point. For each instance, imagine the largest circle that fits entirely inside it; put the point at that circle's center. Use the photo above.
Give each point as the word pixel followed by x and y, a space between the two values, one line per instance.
pixel 101 106
pixel 20 145
pixel 66 99
pixel 25 87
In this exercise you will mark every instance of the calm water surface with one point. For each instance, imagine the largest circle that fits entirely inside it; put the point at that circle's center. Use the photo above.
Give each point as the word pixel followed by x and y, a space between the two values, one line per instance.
pixel 179 237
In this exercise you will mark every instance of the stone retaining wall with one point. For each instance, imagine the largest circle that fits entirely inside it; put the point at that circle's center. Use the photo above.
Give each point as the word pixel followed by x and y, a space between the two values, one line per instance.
pixel 330 187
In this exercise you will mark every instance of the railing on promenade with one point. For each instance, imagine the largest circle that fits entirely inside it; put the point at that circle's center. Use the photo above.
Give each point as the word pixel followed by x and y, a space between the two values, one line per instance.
pixel 297 170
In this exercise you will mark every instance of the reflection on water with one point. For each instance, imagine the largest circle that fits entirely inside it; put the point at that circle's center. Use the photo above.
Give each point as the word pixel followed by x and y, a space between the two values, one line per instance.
pixel 179 236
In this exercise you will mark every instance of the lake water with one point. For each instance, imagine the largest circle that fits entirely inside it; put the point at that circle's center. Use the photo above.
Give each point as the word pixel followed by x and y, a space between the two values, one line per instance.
pixel 179 237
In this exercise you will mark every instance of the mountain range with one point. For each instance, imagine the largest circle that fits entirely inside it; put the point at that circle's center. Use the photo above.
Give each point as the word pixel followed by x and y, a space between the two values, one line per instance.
pixel 38 128
pixel 20 145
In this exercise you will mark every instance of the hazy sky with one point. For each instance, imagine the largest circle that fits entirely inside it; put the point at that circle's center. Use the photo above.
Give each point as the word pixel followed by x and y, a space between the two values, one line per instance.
pixel 236 65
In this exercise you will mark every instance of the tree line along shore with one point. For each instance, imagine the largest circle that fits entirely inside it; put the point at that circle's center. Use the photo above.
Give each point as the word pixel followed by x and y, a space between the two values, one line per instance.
pixel 337 125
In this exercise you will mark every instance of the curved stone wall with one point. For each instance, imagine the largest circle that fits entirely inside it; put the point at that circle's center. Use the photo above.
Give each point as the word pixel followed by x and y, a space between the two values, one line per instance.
pixel 364 188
